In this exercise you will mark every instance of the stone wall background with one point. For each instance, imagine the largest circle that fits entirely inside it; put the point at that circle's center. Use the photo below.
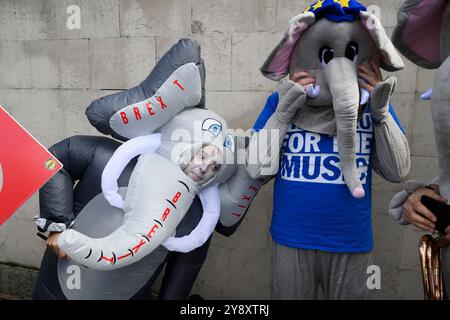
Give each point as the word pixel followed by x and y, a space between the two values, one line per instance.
pixel 49 74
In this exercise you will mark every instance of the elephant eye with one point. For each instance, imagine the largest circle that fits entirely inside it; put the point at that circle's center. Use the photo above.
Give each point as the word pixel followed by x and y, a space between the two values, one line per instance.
pixel 229 143
pixel 351 51
pixel 213 126
pixel 326 54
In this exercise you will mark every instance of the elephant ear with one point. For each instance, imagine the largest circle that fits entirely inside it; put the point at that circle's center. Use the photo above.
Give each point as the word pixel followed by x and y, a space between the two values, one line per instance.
pixel 176 82
pixel 276 65
pixel 390 60
pixel 419 30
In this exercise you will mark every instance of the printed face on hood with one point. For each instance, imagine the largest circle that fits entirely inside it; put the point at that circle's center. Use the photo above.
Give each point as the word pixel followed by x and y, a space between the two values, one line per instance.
pixel 204 165
pixel 195 130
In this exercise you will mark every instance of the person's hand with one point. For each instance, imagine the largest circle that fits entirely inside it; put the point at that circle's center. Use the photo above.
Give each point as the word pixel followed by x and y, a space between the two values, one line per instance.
pixel 292 98
pixel 447 233
pixel 417 214
pixel 302 78
pixel 52 244
pixel 380 91
pixel 371 75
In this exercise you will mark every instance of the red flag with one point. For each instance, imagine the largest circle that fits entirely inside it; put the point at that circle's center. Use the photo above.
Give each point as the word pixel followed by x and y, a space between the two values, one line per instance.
pixel 25 165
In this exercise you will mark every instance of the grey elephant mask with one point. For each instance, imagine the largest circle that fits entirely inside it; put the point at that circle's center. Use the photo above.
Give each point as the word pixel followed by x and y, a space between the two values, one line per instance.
pixel 330 50
pixel 422 35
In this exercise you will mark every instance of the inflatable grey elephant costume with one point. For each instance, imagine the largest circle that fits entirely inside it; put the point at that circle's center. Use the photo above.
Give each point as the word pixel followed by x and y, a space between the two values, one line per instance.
pixel 159 193
pixel 82 207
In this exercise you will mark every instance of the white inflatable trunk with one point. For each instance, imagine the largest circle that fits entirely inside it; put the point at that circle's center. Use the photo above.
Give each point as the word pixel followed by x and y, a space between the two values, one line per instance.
pixel 157 209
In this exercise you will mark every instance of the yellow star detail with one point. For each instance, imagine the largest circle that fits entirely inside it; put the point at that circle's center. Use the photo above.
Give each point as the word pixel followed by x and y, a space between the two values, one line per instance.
pixel 343 3
pixel 318 4
pixel 309 8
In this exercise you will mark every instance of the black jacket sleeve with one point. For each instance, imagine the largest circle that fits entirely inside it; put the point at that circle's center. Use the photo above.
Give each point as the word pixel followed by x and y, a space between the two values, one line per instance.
pixel 56 196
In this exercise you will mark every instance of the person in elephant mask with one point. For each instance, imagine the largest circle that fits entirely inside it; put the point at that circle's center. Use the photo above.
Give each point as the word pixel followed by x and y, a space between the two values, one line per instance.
pixel 328 125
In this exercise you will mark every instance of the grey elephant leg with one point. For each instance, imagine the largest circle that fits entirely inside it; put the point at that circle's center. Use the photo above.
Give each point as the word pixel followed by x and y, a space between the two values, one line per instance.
pixel 440 110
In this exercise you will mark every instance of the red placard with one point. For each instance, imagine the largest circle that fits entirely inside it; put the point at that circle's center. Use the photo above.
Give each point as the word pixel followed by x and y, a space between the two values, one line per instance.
pixel 25 165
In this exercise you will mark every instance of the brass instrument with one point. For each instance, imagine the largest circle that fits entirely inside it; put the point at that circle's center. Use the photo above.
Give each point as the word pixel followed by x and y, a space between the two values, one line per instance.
pixel 431 267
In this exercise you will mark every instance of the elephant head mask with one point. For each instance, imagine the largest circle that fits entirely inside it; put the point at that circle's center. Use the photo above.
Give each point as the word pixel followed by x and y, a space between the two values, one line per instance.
pixel 422 35
pixel 329 40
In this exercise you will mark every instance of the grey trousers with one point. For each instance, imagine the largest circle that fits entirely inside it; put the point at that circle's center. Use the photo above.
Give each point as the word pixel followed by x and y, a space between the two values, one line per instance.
pixel 445 259
pixel 311 274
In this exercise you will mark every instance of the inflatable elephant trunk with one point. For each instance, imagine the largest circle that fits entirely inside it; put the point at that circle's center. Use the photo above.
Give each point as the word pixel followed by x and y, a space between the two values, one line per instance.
pixel 149 225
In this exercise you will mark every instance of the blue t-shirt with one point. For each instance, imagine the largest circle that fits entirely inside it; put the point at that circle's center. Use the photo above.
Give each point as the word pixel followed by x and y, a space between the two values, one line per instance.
pixel 313 208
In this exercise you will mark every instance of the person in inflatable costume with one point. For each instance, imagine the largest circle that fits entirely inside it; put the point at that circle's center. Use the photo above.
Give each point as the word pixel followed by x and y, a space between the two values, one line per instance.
pixel 74 199
pixel 159 192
